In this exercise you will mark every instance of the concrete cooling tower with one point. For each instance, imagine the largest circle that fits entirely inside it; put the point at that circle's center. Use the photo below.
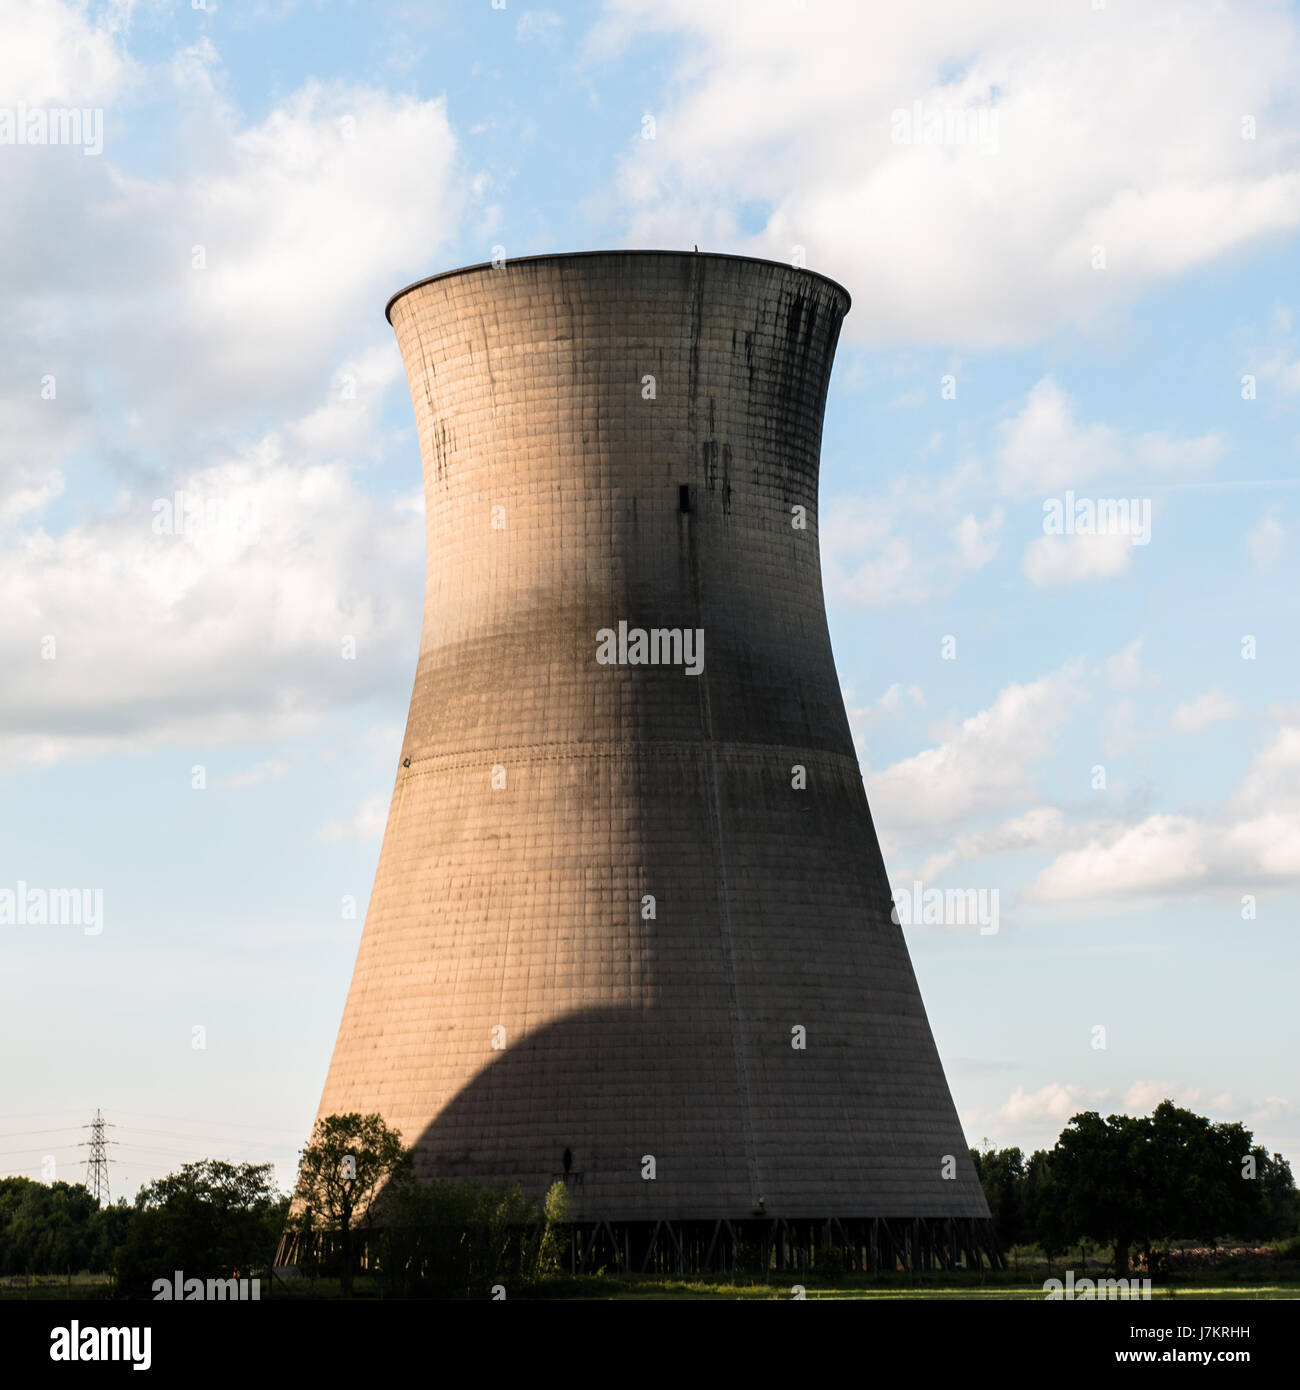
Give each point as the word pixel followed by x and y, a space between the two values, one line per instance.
pixel 631 928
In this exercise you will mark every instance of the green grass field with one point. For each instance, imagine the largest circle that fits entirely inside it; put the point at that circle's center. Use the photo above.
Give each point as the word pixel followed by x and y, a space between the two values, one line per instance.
pixel 1006 1286
pixel 1003 1293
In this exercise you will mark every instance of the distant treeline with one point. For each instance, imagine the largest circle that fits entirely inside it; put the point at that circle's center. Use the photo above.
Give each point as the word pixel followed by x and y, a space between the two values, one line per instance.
pixel 210 1218
pixel 56 1228
pixel 1125 1183
pixel 1136 1183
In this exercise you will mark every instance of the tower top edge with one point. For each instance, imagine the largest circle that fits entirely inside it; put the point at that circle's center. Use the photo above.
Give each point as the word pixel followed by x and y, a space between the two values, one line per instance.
pixel 584 255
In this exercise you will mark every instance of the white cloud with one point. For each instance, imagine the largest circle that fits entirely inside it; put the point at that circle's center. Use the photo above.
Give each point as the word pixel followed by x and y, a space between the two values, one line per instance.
pixel 979 765
pixel 797 112
pixel 537 24
pixel 346 424
pixel 895 703
pixel 1251 846
pixel 1053 1104
pixel 864 563
pixel 231 628
pixel 367 824
pixel 910 544
pixel 1045 449
pixel 309 220
pixel 1273 779
pixel 1211 708
pixel 1279 358
pixel 1255 1113
pixel 1056 560
pixel 303 223
pixel 252 387
pixel 1164 852
pixel 57 54
pixel 1266 542
pixel 1039 1116
pixel 269 771
pixel 1120 728
pixel 1143 1096
pixel 1042 826
pixel 977 542
pixel 1123 671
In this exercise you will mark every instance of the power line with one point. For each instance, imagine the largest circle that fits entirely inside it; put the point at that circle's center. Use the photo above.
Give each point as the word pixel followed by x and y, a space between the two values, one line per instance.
pixel 221 1124
pixel 39 1115
pixel 20 1133
pixel 31 1149
pixel 204 1138
pixel 292 1135
pixel 145 1155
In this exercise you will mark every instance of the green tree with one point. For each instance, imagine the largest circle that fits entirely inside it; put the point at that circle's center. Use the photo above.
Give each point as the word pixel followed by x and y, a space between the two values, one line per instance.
pixel 1281 1202
pixel 46 1228
pixel 1132 1181
pixel 1002 1175
pixel 550 1242
pixel 347 1163
pixel 1036 1175
pixel 458 1239
pixel 1097 1185
pixel 111 1228
pixel 209 1220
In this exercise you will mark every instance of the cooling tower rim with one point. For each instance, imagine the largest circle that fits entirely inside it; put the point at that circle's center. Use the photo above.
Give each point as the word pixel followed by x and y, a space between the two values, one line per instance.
pixel 579 255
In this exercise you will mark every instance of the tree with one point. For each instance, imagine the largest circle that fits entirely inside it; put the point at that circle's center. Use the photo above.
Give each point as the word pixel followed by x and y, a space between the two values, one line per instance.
pixel 111 1228
pixel 1097 1185
pixel 1131 1181
pixel 210 1219
pixel 46 1228
pixel 1002 1175
pixel 550 1241
pixel 456 1239
pixel 348 1161
pixel 1037 1167
pixel 1280 1200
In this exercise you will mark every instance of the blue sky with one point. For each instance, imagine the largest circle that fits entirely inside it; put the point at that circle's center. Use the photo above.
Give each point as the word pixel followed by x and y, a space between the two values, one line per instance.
pixel 1097 249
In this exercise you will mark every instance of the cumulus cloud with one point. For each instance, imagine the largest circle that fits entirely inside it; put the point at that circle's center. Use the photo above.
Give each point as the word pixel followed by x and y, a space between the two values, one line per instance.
pixel 895 703
pixel 1045 448
pixel 368 823
pixel 271 770
pixel 1052 1104
pixel 1039 827
pixel 1050 110
pixel 1278 359
pixel 1252 845
pixel 1059 560
pixel 222 356
pixel 1123 671
pixel 912 543
pixel 1254 1112
pixel 537 24
pixel 1211 708
pixel 977 542
pixel 226 284
pixel 1163 852
pixel 1143 1096
pixel 1266 541
pixel 62 54
pixel 1036 1117
pixel 218 611
pixel 979 765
